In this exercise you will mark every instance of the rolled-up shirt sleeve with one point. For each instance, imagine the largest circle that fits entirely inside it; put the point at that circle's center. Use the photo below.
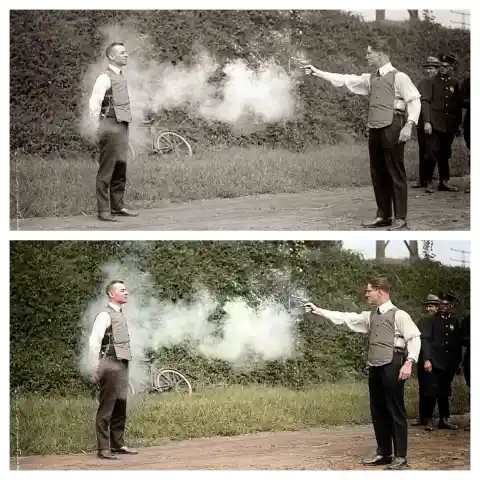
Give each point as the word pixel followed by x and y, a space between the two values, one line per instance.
pixel 410 332
pixel 358 84
pixel 101 323
pixel 102 84
pixel 410 95
pixel 358 322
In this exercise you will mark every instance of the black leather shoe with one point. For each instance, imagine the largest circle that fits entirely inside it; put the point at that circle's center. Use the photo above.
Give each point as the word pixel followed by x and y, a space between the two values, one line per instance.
pixel 106 455
pixel 398 224
pixel 377 460
pixel 446 425
pixel 398 463
pixel 106 217
pixel 444 187
pixel 124 213
pixel 125 451
pixel 377 223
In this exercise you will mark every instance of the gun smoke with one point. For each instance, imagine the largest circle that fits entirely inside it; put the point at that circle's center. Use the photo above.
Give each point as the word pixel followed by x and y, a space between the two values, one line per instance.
pixel 245 337
pixel 245 98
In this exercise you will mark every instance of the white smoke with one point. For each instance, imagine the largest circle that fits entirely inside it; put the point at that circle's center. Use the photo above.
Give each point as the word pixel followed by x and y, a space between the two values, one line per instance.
pixel 245 96
pixel 246 336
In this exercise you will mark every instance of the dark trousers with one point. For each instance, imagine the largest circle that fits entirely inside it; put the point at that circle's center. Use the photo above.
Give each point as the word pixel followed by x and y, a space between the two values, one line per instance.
pixel 388 170
pixel 438 391
pixel 112 171
pixel 422 384
pixel 387 407
pixel 439 151
pixel 466 129
pixel 423 167
pixel 112 408
pixel 466 366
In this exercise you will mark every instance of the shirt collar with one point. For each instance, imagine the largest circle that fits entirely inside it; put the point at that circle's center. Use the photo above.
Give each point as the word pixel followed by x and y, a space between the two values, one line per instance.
pixel 116 307
pixel 385 307
pixel 388 67
pixel 117 70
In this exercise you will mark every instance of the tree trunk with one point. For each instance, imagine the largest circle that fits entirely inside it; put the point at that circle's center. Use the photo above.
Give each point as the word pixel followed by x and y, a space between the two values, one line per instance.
pixel 379 15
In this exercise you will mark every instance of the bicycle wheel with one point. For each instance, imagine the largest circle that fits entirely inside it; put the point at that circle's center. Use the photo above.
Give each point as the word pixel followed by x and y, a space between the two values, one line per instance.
pixel 168 380
pixel 171 142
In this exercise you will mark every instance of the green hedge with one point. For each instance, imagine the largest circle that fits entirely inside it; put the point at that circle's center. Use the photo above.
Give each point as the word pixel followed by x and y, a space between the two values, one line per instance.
pixel 52 50
pixel 53 282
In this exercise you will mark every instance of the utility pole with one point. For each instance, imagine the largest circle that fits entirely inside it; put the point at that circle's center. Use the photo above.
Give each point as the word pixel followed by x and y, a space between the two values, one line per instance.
pixel 463 23
pixel 462 261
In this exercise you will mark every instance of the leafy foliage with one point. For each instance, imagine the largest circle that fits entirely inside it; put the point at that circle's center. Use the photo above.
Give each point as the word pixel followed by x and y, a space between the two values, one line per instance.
pixel 51 51
pixel 52 283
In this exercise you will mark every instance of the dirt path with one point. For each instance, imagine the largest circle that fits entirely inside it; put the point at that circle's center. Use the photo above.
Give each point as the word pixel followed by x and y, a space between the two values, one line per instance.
pixel 318 449
pixel 336 209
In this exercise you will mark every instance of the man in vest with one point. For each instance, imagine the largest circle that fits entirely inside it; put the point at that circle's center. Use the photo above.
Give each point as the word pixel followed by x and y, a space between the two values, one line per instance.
pixel 110 112
pixel 431 308
pixel 442 355
pixel 394 346
pixel 442 113
pixel 392 96
pixel 425 166
pixel 110 354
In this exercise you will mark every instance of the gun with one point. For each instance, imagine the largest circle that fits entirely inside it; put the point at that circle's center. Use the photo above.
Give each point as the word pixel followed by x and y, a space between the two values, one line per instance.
pixel 300 300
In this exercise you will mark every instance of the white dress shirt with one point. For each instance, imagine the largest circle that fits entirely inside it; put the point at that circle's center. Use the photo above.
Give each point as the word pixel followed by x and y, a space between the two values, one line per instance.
pixel 406 332
pixel 407 96
pixel 101 323
pixel 101 86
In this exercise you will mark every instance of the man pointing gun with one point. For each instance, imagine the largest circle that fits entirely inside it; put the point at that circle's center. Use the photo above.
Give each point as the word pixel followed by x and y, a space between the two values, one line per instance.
pixel 394 345
pixel 394 107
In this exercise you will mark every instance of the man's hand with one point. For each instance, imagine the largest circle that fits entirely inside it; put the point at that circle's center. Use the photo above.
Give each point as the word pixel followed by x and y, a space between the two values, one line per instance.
pixel 307 68
pixel 405 371
pixel 427 128
pixel 405 133
pixel 310 308
pixel 427 366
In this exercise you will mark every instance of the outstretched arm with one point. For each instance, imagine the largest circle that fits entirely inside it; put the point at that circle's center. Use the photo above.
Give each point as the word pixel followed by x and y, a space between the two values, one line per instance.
pixel 358 84
pixel 358 322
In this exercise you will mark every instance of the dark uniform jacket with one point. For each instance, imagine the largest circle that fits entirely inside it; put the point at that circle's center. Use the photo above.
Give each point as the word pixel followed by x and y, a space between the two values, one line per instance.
pixel 442 103
pixel 422 87
pixel 442 339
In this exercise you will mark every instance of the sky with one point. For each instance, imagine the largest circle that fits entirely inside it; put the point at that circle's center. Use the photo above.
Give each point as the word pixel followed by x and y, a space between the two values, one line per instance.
pixel 397 249
pixel 444 17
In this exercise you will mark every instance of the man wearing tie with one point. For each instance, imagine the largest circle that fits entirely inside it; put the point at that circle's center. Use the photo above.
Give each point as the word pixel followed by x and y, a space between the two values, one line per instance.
pixel 394 346
pixel 110 113
pixel 392 98
pixel 110 355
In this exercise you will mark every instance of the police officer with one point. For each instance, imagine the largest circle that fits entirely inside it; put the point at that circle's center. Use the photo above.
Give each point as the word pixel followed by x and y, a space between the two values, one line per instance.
pixel 466 354
pixel 442 114
pixel 431 308
pixel 465 90
pixel 442 354
pixel 425 164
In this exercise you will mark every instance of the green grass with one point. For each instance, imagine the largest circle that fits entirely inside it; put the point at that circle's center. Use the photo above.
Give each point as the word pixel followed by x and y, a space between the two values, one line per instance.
pixel 58 186
pixel 66 425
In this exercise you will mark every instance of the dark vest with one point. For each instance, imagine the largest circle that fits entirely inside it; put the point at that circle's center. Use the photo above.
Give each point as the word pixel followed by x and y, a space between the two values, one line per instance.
pixel 381 345
pixel 116 103
pixel 382 100
pixel 116 341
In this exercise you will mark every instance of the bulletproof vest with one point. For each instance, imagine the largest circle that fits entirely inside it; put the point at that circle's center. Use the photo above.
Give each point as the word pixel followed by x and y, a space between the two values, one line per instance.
pixel 116 103
pixel 381 343
pixel 116 341
pixel 382 100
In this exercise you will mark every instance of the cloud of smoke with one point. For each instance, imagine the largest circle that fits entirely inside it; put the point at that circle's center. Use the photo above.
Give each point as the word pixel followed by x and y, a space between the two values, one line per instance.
pixel 246 336
pixel 244 96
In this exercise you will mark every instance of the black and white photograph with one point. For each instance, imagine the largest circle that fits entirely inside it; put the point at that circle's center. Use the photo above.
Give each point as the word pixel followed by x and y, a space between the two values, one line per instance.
pixel 197 120
pixel 240 355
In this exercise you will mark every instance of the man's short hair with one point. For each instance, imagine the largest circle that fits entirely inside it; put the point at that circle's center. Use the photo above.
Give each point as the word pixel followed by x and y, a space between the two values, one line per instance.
pixel 110 286
pixel 109 49
pixel 382 45
pixel 380 283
